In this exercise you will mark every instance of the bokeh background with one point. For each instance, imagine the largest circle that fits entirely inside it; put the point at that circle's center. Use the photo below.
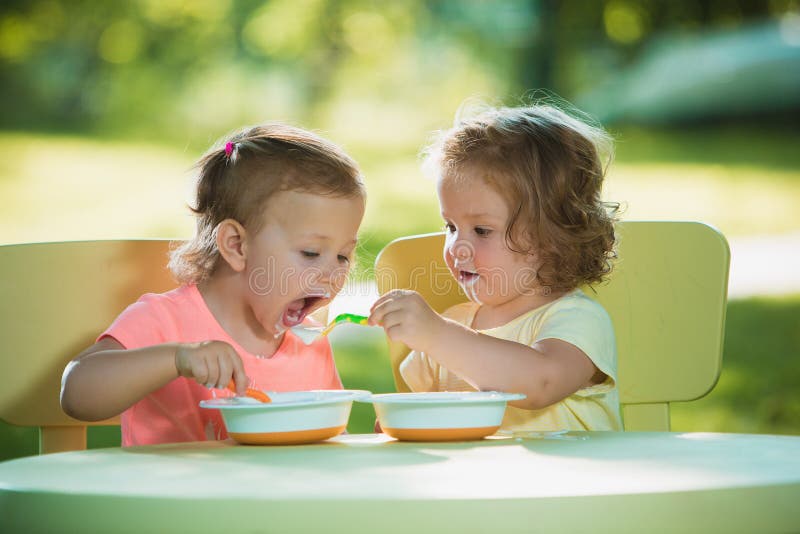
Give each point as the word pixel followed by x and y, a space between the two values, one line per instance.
pixel 105 106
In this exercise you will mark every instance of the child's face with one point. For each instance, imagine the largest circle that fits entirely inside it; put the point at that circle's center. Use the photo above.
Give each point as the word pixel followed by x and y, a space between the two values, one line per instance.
pixel 300 258
pixel 476 252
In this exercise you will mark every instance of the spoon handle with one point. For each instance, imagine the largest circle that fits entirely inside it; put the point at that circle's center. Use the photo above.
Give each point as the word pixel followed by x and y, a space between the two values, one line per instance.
pixel 344 318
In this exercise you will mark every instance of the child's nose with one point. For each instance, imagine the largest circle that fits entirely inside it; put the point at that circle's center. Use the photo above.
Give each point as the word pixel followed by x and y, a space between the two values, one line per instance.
pixel 462 250
pixel 324 274
pixel 330 271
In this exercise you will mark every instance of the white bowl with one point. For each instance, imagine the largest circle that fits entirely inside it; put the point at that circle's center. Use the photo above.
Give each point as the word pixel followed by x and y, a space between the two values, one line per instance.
pixel 291 418
pixel 441 416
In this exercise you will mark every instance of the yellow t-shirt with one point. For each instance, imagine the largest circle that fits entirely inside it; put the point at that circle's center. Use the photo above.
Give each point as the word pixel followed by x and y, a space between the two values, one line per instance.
pixel 574 318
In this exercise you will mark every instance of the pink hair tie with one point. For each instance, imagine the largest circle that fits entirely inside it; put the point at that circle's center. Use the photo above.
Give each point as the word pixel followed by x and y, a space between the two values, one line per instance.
pixel 228 149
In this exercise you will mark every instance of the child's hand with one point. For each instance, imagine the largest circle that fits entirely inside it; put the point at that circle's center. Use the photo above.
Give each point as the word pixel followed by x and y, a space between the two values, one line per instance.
pixel 406 317
pixel 212 364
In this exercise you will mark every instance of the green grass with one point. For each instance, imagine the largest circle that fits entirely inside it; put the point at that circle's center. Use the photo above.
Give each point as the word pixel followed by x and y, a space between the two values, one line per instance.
pixel 84 188
pixel 758 388
pixel 731 145
pixel 362 357
pixel 18 441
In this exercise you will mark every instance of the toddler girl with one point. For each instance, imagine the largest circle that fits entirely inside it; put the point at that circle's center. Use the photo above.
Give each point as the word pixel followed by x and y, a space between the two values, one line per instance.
pixel 519 191
pixel 278 210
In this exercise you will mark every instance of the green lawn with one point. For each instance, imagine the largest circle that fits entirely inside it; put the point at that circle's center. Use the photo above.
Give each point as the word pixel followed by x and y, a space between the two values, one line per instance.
pixel 758 389
pixel 58 187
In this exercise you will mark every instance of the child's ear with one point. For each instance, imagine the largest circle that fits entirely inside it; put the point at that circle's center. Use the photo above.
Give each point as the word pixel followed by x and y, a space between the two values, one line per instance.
pixel 231 243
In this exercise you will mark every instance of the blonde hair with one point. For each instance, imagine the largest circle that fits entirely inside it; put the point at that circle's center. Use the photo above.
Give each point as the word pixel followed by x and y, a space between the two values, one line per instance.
pixel 240 173
pixel 549 167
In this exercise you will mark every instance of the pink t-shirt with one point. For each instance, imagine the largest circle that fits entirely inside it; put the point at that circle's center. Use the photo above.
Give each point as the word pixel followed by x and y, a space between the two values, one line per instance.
pixel 172 413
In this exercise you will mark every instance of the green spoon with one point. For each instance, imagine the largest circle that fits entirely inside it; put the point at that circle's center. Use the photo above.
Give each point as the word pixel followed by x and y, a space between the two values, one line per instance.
pixel 308 334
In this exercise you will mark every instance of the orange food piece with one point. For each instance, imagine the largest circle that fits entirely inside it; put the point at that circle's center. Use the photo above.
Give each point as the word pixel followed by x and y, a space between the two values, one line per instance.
pixel 257 394
pixel 252 393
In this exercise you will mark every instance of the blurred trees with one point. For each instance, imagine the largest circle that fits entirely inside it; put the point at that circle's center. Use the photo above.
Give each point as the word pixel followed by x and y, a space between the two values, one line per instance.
pixel 162 67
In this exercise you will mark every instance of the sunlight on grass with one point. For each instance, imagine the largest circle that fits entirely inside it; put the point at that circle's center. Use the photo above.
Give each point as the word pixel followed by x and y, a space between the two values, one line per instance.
pixel 362 358
pixel 59 188
pixel 757 390
pixel 738 200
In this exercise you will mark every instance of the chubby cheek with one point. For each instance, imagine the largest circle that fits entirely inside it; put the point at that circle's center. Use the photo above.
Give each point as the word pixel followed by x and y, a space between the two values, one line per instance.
pixel 339 279
pixel 266 310
pixel 260 281
pixel 300 280
pixel 449 260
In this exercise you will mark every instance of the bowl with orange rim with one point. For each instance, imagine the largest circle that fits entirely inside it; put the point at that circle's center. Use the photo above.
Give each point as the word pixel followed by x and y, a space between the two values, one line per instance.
pixel 441 416
pixel 290 418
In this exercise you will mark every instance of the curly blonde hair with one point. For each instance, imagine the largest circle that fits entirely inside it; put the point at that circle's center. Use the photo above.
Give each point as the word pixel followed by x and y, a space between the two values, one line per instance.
pixel 240 173
pixel 549 167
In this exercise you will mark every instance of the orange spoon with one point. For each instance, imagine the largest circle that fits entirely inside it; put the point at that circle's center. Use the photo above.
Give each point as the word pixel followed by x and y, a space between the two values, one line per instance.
pixel 252 393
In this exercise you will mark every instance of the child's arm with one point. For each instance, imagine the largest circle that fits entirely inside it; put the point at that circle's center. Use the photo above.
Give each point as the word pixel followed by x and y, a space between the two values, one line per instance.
pixel 106 379
pixel 546 373
pixel 418 372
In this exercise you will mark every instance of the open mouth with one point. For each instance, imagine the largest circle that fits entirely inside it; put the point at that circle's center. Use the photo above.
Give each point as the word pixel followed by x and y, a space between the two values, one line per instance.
pixel 297 310
pixel 469 282
pixel 468 277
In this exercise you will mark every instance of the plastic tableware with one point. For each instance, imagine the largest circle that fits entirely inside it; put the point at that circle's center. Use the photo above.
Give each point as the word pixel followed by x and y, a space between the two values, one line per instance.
pixel 309 334
pixel 291 418
pixel 441 416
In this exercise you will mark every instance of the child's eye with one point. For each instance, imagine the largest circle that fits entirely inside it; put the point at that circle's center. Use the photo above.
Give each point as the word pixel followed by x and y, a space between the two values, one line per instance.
pixel 483 232
pixel 343 259
pixel 309 254
pixel 449 228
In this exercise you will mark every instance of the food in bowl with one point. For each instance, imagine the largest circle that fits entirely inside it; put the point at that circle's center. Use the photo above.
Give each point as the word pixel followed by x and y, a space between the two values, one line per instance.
pixel 441 416
pixel 291 418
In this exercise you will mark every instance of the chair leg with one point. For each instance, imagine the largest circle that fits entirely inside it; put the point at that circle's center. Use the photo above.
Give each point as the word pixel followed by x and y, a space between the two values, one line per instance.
pixel 61 439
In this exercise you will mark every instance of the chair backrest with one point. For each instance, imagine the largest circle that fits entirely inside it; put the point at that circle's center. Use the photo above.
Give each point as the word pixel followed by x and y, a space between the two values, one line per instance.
pixel 666 296
pixel 55 298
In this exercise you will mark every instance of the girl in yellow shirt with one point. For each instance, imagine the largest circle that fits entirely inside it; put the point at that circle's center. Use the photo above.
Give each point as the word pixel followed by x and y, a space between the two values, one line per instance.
pixel 519 191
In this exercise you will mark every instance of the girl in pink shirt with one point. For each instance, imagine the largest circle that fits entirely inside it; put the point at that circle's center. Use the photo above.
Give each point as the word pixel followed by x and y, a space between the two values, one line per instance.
pixel 278 210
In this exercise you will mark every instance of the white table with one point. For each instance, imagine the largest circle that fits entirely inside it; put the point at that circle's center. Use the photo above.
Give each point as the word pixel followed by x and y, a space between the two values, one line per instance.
pixel 592 482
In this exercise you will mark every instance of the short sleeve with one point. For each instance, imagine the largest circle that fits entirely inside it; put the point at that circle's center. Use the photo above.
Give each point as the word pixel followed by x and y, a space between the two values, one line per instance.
pixel 417 371
pixel 585 324
pixel 143 323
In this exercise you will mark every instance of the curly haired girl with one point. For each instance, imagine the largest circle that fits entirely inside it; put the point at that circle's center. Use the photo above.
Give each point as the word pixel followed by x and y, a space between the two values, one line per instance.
pixel 519 191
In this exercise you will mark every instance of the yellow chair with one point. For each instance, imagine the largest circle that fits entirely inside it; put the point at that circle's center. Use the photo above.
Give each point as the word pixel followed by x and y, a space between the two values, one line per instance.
pixel 666 296
pixel 55 298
